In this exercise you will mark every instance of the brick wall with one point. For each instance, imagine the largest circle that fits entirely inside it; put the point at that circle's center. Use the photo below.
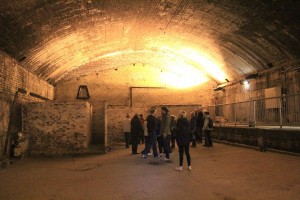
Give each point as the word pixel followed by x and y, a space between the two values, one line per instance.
pixel 12 77
pixel 57 127
pixel 119 89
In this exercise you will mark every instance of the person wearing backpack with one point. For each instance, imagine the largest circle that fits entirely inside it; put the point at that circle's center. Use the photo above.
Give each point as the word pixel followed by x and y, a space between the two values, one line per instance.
pixel 183 139
pixel 207 128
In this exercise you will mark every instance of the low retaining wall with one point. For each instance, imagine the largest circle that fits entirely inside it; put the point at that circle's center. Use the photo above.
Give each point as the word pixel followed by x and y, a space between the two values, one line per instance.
pixel 57 127
pixel 285 140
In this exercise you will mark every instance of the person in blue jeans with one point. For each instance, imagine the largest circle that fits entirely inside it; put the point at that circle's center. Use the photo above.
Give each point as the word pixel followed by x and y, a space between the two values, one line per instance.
pixel 165 131
pixel 159 137
pixel 152 140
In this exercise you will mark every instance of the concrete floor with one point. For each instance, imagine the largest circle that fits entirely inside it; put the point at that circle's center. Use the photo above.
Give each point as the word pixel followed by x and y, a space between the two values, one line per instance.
pixel 224 172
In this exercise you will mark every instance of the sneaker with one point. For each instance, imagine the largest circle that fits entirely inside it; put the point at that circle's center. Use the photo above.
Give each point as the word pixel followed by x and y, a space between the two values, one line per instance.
pixel 190 168
pixel 149 154
pixel 144 156
pixel 178 168
pixel 166 159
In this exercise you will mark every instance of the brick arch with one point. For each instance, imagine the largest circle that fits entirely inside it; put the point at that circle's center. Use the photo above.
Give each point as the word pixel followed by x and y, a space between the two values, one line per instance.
pixel 57 37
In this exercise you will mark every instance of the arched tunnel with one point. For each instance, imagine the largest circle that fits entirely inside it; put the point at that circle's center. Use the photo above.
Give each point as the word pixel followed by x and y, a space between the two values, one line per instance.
pixel 71 70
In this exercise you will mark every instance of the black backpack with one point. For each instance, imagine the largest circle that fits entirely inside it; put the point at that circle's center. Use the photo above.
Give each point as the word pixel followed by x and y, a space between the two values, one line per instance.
pixel 210 123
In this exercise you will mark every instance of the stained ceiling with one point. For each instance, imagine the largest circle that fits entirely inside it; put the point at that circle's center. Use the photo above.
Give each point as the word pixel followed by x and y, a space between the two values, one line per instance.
pixel 224 39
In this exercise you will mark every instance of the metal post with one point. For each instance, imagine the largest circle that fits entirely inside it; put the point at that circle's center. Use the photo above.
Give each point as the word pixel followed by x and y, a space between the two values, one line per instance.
pixel 234 114
pixel 280 112
pixel 254 113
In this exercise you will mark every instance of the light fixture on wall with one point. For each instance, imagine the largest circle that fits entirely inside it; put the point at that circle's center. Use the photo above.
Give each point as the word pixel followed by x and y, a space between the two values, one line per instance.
pixel 246 82
pixel 83 93
pixel 219 89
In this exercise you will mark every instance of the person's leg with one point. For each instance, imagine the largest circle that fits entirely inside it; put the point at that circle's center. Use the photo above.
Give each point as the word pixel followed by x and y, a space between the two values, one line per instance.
pixel 132 146
pixel 209 138
pixel 129 137
pixel 181 149
pixel 193 138
pixel 126 140
pixel 146 141
pixel 200 135
pixel 167 146
pixel 154 145
pixel 136 146
pixel 187 153
pixel 173 142
pixel 149 144
pixel 159 141
pixel 206 143
pixel 135 141
pixel 197 134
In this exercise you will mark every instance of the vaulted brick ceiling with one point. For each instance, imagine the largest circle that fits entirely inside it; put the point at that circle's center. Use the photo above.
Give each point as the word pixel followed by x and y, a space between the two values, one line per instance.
pixel 57 39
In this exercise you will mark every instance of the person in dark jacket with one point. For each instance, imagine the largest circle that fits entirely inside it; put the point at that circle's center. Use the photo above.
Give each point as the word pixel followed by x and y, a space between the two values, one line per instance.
pixel 165 131
pixel 152 140
pixel 136 129
pixel 173 131
pixel 199 124
pixel 142 120
pixel 159 137
pixel 183 139
pixel 193 129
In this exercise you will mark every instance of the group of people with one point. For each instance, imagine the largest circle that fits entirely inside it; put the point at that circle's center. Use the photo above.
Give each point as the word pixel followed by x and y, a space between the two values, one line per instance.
pixel 159 133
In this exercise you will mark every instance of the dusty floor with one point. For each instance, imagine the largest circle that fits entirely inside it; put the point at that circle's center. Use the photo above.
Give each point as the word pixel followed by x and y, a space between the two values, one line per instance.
pixel 224 172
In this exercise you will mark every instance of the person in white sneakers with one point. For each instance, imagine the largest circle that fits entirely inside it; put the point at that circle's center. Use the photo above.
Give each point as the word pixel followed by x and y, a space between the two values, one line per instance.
pixel 183 139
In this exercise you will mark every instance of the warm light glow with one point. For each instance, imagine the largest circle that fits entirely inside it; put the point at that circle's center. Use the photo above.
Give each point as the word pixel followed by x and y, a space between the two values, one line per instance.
pixel 181 75
pixel 201 61
pixel 246 84
pixel 209 66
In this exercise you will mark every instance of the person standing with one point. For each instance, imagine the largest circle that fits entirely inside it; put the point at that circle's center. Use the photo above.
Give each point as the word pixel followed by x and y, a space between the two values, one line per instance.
pixel 126 129
pixel 183 139
pixel 136 129
pixel 152 139
pixel 145 134
pixel 207 128
pixel 173 131
pixel 193 129
pixel 199 124
pixel 142 120
pixel 159 137
pixel 165 131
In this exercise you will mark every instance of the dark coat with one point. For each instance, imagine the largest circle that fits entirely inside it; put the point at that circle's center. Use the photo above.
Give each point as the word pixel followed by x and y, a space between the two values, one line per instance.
pixel 199 120
pixel 193 123
pixel 151 124
pixel 136 126
pixel 183 132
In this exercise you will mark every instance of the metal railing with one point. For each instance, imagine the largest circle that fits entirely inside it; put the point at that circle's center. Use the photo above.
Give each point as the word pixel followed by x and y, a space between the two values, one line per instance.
pixel 277 111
